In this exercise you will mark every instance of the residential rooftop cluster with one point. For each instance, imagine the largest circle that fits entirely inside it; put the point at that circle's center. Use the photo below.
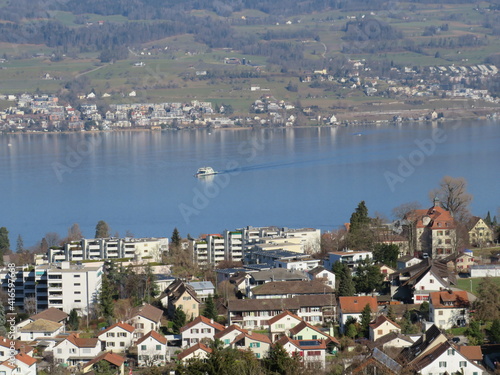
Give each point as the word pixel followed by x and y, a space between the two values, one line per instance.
pixel 271 290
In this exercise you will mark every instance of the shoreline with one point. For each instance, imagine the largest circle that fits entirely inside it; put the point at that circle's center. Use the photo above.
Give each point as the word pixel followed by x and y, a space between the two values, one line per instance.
pixel 483 113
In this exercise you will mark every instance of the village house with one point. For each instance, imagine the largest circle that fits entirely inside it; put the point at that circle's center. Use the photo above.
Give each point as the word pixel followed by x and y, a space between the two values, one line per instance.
pixel 282 323
pixel 448 309
pixel 258 343
pixel 74 351
pixel 322 274
pixel 351 307
pixel 435 230
pixel 40 329
pixel 118 337
pixel 407 261
pixel 179 294
pixel 24 364
pixel 17 347
pixel 255 313
pixel 413 284
pixel 228 335
pixel 198 329
pixel 382 326
pixel 392 340
pixel 199 351
pixel 288 289
pixel 152 350
pixel 312 352
pixel 460 262
pixel 144 319
pixel 116 363
pixel 349 257
pixel 480 233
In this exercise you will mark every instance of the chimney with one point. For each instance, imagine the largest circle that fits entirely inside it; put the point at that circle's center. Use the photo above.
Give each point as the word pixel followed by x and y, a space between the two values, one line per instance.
pixel 211 321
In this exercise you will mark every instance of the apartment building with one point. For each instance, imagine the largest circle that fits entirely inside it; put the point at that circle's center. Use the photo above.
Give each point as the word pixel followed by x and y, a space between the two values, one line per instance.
pixel 211 249
pixel 63 286
pixel 110 248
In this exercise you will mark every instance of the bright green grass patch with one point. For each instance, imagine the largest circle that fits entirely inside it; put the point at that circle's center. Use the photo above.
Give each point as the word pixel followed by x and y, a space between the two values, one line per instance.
pixel 471 284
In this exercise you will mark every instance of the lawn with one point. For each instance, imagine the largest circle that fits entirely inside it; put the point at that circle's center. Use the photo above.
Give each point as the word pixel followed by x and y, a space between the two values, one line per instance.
pixel 471 284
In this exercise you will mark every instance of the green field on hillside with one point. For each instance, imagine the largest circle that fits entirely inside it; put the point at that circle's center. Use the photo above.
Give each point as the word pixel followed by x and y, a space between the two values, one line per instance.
pixel 471 284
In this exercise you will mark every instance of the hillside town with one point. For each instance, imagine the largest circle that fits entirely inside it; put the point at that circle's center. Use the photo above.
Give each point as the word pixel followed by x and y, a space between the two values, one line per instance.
pixel 373 297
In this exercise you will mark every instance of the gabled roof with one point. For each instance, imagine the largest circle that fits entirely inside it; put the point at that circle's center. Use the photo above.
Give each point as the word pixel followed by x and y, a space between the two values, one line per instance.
pixel 155 335
pixel 473 222
pixel 380 342
pixel 52 314
pixel 449 299
pixel 437 216
pixel 253 336
pixel 149 312
pixel 409 354
pixel 26 359
pixel 381 319
pixel 193 349
pixel 292 287
pixel 41 325
pixel 317 270
pixel 303 344
pixel 8 364
pixel 276 318
pixel 18 345
pixel 80 342
pixel 473 353
pixel 177 289
pixel 232 327
pixel 302 325
pixel 202 319
pixel 355 305
pixel 431 356
pixel 121 325
pixel 406 258
pixel 112 358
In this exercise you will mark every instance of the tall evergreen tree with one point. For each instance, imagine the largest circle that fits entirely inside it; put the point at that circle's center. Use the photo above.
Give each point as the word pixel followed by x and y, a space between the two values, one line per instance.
pixel 359 218
pixel 4 243
pixel 487 219
pixel 390 313
pixel 176 239
pixel 102 230
pixel 368 277
pixel 106 303
pixel 346 283
pixel 210 311
pixel 19 244
pixel 73 320
pixel 3 320
pixel 278 361
pixel 179 320
pixel 366 318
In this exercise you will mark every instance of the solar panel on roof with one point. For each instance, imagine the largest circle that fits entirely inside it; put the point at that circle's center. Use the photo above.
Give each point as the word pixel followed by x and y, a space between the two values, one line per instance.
pixel 309 343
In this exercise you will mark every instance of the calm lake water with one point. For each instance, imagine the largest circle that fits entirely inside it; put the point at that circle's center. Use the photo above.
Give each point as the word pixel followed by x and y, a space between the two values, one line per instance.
pixel 309 177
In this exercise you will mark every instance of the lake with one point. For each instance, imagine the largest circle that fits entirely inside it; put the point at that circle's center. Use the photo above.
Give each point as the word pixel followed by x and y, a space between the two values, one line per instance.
pixel 143 181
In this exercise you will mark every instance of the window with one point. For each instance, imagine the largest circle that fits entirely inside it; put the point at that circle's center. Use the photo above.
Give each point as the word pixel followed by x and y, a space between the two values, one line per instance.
pixel 299 337
pixel 462 364
pixel 77 284
pixel 76 275
pixel 451 351
pixel 431 281
pixel 186 298
pixel 122 344
pixel 257 355
pixel 379 332
pixel 315 337
pixel 78 292
pixel 143 347
pixel 158 347
pixel 440 312
pixel 442 364
pixel 227 341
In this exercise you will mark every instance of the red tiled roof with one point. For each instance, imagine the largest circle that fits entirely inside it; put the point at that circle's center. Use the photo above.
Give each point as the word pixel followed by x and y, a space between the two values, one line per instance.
pixel 381 319
pixel 82 343
pixel 232 327
pixel 438 216
pixel 125 326
pixel 27 359
pixel 112 358
pixel 202 319
pixel 457 298
pixel 301 344
pixel 356 304
pixel 18 345
pixel 193 349
pixel 473 353
pixel 8 364
pixel 155 335
pixel 274 319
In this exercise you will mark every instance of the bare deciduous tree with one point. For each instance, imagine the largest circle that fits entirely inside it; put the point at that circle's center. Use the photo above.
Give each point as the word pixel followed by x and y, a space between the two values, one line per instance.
pixel 453 195
pixel 74 233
